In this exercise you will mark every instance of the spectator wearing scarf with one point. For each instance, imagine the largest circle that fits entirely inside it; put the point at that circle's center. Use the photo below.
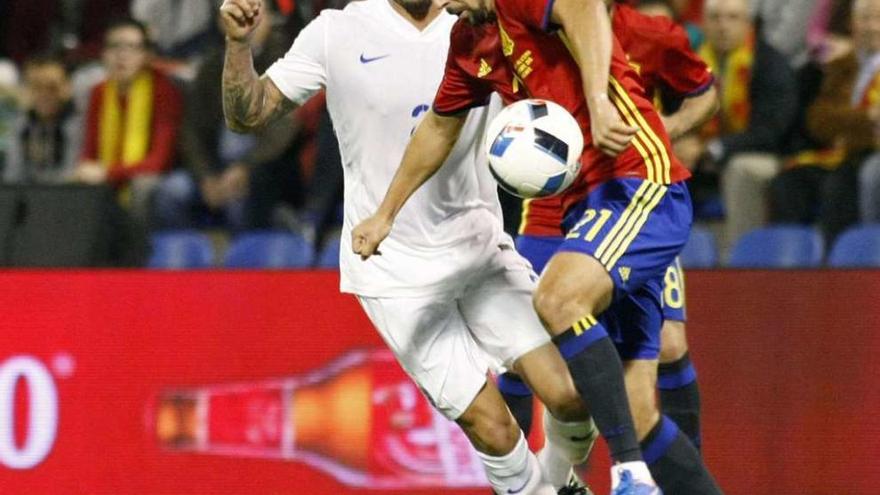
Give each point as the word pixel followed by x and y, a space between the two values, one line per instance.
pixel 132 121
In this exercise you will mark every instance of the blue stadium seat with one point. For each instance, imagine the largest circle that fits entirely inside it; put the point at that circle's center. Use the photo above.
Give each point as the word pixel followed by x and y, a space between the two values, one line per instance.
pixel 181 249
pixel 857 247
pixel 779 246
pixel 268 249
pixel 700 250
pixel 329 256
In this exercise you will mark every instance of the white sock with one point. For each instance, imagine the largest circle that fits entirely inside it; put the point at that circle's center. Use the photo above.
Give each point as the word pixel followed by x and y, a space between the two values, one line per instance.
pixel 638 469
pixel 566 445
pixel 517 472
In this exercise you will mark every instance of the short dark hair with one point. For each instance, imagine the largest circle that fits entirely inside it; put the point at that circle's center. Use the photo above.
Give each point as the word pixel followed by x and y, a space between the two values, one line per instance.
pixel 128 22
pixel 44 59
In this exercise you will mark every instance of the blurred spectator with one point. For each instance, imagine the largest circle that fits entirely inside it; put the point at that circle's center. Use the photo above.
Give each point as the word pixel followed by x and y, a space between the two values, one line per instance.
pixel 845 117
pixel 181 30
pixel 783 23
pixel 758 93
pixel 132 120
pixel 232 179
pixel 45 141
pixel 9 101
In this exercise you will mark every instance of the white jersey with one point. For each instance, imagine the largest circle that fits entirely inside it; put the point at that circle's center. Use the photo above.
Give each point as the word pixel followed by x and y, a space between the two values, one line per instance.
pixel 381 74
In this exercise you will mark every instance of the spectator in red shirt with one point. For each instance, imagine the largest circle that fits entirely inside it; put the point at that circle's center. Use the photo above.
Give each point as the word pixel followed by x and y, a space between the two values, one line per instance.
pixel 131 122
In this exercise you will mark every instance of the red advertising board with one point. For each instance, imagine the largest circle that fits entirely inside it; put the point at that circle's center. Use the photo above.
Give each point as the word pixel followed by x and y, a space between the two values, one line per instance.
pixel 274 383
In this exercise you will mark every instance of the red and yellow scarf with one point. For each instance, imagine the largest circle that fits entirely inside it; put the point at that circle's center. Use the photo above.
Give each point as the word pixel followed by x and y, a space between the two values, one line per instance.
pixel 124 134
pixel 734 75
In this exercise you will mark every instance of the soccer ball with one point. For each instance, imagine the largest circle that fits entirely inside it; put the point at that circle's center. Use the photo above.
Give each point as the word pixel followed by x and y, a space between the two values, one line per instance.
pixel 534 148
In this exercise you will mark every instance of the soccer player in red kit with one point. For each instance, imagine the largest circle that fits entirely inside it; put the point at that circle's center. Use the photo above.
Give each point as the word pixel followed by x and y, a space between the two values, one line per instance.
pixel 621 236
pixel 681 84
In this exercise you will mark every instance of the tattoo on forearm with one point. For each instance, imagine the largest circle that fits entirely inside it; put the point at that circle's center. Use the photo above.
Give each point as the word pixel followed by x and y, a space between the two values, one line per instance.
pixel 280 110
pixel 243 92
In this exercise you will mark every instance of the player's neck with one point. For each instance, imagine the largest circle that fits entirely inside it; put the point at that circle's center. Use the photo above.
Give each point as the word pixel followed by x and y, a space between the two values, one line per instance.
pixel 419 24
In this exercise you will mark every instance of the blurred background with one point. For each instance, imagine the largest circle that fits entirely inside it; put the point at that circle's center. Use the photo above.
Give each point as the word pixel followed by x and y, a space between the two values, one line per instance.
pixel 167 185
pixel 184 378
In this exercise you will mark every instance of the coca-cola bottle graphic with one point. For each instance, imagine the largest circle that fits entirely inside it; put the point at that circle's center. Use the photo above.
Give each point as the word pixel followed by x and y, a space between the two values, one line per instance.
pixel 360 419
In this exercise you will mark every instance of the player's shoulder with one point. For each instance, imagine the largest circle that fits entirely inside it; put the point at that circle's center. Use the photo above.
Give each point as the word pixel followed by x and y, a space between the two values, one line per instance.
pixel 470 37
pixel 659 29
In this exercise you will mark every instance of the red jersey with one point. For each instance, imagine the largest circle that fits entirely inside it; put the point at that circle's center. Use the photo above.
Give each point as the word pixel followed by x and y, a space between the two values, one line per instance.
pixel 660 52
pixel 526 57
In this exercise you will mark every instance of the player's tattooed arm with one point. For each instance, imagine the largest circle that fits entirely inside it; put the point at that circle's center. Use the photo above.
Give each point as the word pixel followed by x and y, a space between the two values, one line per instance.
pixel 424 156
pixel 249 102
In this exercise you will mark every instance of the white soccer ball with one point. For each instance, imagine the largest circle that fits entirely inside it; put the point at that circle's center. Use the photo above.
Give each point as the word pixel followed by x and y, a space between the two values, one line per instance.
pixel 534 148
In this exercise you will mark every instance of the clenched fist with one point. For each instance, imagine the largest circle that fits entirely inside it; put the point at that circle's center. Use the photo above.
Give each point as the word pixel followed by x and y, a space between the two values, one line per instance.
pixel 367 235
pixel 241 18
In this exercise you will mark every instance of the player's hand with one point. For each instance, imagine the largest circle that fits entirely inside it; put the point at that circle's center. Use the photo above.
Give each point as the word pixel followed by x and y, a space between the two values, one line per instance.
pixel 365 238
pixel 610 134
pixel 240 18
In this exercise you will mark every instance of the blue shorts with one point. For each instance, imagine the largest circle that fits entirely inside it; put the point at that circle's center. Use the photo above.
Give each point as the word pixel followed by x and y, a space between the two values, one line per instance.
pixel 635 229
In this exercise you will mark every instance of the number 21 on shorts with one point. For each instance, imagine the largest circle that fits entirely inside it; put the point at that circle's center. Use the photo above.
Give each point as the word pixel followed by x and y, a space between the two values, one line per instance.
pixel 600 217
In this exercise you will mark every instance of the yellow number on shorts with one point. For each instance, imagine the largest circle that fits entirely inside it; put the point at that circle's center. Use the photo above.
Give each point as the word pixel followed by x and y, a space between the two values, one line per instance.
pixel 673 287
pixel 604 215
pixel 589 216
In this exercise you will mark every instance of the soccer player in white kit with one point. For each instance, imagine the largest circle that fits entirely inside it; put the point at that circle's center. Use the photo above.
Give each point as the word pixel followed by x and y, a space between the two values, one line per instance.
pixel 449 294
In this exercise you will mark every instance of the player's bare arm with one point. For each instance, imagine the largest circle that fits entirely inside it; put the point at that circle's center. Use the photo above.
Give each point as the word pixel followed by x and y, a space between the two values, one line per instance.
pixel 250 102
pixel 693 113
pixel 427 150
pixel 588 28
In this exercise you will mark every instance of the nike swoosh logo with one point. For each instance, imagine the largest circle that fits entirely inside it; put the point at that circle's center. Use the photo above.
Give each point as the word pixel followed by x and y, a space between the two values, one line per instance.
pixel 365 60
pixel 512 492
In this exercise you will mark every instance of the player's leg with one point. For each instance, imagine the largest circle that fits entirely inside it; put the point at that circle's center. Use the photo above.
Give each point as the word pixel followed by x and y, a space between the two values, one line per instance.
pixel 677 377
pixel 510 466
pixel 432 343
pixel 637 266
pixel 576 287
pixel 537 250
pixel 518 397
pixel 569 431
pixel 498 312
pixel 634 323
pixel 573 288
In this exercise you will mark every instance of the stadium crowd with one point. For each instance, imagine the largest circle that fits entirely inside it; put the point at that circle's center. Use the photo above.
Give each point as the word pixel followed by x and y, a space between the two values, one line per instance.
pixel 126 94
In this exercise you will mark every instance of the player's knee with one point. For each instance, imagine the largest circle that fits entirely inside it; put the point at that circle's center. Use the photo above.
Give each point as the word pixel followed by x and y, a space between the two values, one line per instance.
pixel 565 404
pixel 673 342
pixel 491 433
pixel 558 308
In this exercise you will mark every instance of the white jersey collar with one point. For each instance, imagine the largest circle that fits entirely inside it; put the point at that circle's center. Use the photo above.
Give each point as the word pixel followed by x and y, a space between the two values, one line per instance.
pixel 407 28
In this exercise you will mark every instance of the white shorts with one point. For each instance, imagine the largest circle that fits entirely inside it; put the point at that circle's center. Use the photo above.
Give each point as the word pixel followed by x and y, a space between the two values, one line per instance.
pixel 447 344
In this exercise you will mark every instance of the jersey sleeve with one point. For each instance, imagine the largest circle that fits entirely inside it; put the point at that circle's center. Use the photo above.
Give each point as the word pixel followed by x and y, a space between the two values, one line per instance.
pixel 302 72
pixel 532 13
pixel 459 90
pixel 683 73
